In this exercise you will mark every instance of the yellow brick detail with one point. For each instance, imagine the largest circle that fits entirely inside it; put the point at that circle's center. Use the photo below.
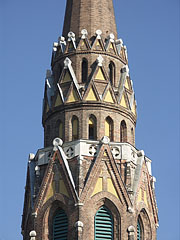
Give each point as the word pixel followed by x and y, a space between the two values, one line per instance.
pixel 58 101
pixel 91 96
pixel 139 195
pixel 145 198
pixel 51 191
pixel 107 128
pixel 108 97
pixel 98 187
pixel 67 78
pixel 123 102
pixel 134 108
pixel 111 188
pixel 126 84
pixel 111 46
pixel 62 188
pixel 98 43
pixel 73 97
pixel 100 75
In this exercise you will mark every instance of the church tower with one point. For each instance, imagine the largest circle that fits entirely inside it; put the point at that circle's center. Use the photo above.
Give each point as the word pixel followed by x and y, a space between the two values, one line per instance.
pixel 89 182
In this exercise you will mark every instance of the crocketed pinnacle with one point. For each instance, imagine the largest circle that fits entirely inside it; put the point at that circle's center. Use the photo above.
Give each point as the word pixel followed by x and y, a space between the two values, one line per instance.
pixel 90 15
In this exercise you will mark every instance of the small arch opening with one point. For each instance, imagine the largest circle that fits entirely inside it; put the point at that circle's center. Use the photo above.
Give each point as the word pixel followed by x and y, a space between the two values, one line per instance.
pixel 123 132
pixel 109 128
pixel 84 70
pixel 140 229
pixel 75 128
pixel 92 128
pixel 112 73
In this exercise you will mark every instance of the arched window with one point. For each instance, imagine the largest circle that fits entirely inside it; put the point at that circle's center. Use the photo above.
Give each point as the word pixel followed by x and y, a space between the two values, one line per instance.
pixel 75 128
pixel 132 135
pixel 60 225
pixel 123 132
pixel 139 230
pixel 112 72
pixel 59 129
pixel 103 224
pixel 84 70
pixel 92 128
pixel 109 128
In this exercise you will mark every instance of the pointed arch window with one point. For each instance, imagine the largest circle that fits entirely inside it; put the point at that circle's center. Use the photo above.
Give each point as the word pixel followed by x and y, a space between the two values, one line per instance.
pixel 60 225
pixel 123 132
pixel 84 70
pixel 109 128
pixel 112 73
pixel 132 135
pixel 139 229
pixel 59 129
pixel 92 127
pixel 75 128
pixel 103 224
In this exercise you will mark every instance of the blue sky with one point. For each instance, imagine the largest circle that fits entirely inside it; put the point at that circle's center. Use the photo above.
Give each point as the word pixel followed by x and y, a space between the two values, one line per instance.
pixel 150 30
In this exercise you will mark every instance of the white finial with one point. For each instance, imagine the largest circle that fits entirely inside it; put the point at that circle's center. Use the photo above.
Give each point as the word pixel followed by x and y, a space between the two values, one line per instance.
pixel 71 36
pixel 61 40
pixel 67 62
pixel 100 60
pixel 105 140
pixel 55 44
pixel 31 157
pixel 111 37
pixel 98 33
pixel 32 234
pixel 57 142
pixel 84 33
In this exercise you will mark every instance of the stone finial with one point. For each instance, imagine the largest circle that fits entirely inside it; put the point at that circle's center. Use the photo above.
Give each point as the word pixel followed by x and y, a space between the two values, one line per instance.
pixel 57 142
pixel 100 60
pixel 32 234
pixel 127 70
pixel 98 33
pixel 61 40
pixel 79 226
pixel 131 232
pixel 130 210
pixel 67 62
pixel 105 140
pixel 31 157
pixel 71 36
pixel 84 33
pixel 111 37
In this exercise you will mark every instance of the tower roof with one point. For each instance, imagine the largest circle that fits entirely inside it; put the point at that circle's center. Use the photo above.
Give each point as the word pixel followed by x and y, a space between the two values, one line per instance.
pixel 90 15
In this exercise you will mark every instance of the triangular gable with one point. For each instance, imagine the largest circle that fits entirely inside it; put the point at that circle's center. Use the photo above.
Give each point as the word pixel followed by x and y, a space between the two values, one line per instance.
pixel 108 95
pixel 84 45
pixel 58 101
pixel 115 184
pixel 66 77
pixel 100 74
pixel 111 48
pixel 91 93
pixel 72 95
pixel 127 84
pixel 123 54
pixel 124 101
pixel 48 189
pixel 71 46
pixel 98 45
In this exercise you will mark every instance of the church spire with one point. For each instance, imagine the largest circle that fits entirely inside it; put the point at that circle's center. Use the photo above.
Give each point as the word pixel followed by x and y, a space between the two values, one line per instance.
pixel 90 15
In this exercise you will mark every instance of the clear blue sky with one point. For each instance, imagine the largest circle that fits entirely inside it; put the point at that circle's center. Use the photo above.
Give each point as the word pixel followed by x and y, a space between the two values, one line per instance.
pixel 150 29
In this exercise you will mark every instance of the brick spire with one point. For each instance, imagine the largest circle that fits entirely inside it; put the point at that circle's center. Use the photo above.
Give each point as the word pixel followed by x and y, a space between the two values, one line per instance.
pixel 90 15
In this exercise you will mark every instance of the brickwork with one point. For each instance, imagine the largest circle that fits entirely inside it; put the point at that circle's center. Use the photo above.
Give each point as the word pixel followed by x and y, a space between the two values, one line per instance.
pixel 121 178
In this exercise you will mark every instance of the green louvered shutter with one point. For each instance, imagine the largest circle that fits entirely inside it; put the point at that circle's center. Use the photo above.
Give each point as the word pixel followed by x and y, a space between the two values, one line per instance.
pixel 103 224
pixel 60 226
pixel 138 231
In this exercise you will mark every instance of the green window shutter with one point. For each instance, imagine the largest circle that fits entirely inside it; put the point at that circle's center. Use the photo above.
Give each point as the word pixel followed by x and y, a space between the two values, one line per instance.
pixel 138 231
pixel 103 224
pixel 60 226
